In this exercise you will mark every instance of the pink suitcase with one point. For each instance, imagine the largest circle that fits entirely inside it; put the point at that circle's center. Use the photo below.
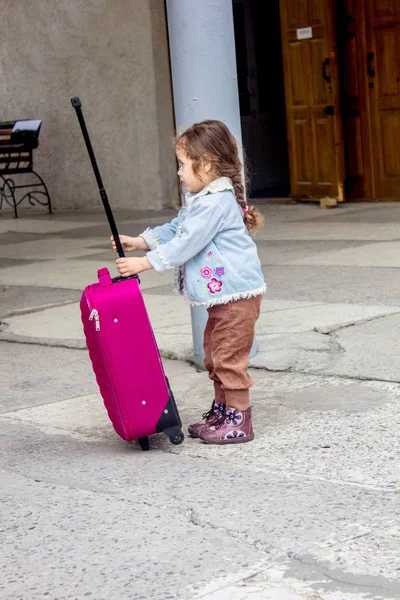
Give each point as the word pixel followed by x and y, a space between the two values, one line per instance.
pixel 123 349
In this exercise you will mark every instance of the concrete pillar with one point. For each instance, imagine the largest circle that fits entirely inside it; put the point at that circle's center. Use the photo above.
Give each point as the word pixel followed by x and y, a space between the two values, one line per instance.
pixel 204 82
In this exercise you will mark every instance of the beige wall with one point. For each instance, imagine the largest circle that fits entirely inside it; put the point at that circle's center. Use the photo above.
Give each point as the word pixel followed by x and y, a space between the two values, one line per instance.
pixel 114 55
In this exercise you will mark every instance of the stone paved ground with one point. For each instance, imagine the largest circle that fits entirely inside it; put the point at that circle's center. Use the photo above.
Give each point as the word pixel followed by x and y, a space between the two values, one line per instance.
pixel 309 510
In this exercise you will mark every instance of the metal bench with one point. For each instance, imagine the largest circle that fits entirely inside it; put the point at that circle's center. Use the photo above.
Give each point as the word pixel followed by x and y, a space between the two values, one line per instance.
pixel 18 139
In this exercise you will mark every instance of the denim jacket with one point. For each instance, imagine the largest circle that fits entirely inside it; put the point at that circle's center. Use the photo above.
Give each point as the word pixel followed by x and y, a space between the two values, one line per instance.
pixel 215 258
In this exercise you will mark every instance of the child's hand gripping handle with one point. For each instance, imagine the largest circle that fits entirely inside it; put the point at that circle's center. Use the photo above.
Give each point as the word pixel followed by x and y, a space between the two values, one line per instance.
pixel 76 103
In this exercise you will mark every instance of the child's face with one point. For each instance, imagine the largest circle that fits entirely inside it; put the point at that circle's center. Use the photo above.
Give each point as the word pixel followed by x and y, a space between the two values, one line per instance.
pixel 193 182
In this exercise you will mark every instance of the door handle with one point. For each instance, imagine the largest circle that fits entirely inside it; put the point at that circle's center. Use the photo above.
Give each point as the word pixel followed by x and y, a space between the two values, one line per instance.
pixel 329 110
pixel 325 65
pixel 370 69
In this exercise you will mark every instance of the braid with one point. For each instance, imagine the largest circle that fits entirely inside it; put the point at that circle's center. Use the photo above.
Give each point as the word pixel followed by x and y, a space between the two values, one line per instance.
pixel 253 219
pixel 237 183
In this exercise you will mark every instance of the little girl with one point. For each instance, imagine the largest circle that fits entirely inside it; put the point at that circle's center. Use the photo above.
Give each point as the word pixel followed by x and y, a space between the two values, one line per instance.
pixel 217 266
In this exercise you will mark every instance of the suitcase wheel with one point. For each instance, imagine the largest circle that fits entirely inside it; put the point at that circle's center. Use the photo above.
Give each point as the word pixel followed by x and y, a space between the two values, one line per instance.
pixel 177 439
pixel 144 443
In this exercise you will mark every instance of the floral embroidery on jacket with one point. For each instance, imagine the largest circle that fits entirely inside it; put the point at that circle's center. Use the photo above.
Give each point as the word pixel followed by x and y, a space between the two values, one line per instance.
pixel 214 286
pixel 206 272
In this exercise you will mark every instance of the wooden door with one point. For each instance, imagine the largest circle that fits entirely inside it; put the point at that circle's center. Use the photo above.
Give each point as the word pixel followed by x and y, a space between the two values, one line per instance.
pixel 383 66
pixel 316 155
pixel 355 107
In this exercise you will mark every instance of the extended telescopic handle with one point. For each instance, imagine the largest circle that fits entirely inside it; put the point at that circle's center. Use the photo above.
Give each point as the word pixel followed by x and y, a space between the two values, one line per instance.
pixel 76 103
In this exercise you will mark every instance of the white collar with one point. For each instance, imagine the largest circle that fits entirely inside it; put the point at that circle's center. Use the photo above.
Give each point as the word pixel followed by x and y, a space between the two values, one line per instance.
pixel 217 185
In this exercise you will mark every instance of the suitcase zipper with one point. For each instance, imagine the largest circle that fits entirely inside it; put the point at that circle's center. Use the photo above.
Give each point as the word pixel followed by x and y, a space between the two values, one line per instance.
pixel 95 315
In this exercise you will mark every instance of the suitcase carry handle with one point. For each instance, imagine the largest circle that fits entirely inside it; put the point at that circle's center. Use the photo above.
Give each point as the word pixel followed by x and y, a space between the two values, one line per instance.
pixel 76 103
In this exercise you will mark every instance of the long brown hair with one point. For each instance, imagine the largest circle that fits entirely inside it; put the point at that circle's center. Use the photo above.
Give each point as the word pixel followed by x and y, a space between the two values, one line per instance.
pixel 212 141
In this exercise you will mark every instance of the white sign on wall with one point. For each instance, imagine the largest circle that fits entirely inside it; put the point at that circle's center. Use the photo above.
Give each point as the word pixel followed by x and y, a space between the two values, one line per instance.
pixel 305 33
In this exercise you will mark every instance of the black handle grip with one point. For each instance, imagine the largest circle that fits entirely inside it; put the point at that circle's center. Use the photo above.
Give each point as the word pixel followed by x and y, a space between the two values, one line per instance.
pixel 370 69
pixel 76 103
pixel 325 75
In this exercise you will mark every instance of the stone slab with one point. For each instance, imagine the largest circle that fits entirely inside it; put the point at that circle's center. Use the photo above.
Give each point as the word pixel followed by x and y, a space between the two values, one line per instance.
pixel 333 284
pixel 36 225
pixel 17 262
pixel 47 248
pixel 163 290
pixel 371 212
pixel 73 275
pixel 283 581
pixel 281 352
pixel 126 227
pixel 16 299
pixel 60 323
pixel 14 238
pixel 315 230
pixel 97 215
pixel 100 255
pixel 282 252
pixel 128 547
pixel 370 350
pixel 32 375
pixel 324 317
pixel 383 254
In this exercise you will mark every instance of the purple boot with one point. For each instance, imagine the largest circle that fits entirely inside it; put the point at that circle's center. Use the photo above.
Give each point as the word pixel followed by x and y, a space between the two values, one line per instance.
pixel 235 428
pixel 210 417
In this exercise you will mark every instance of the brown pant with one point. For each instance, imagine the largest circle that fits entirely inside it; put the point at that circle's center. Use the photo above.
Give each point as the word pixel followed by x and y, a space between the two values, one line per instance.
pixel 228 338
